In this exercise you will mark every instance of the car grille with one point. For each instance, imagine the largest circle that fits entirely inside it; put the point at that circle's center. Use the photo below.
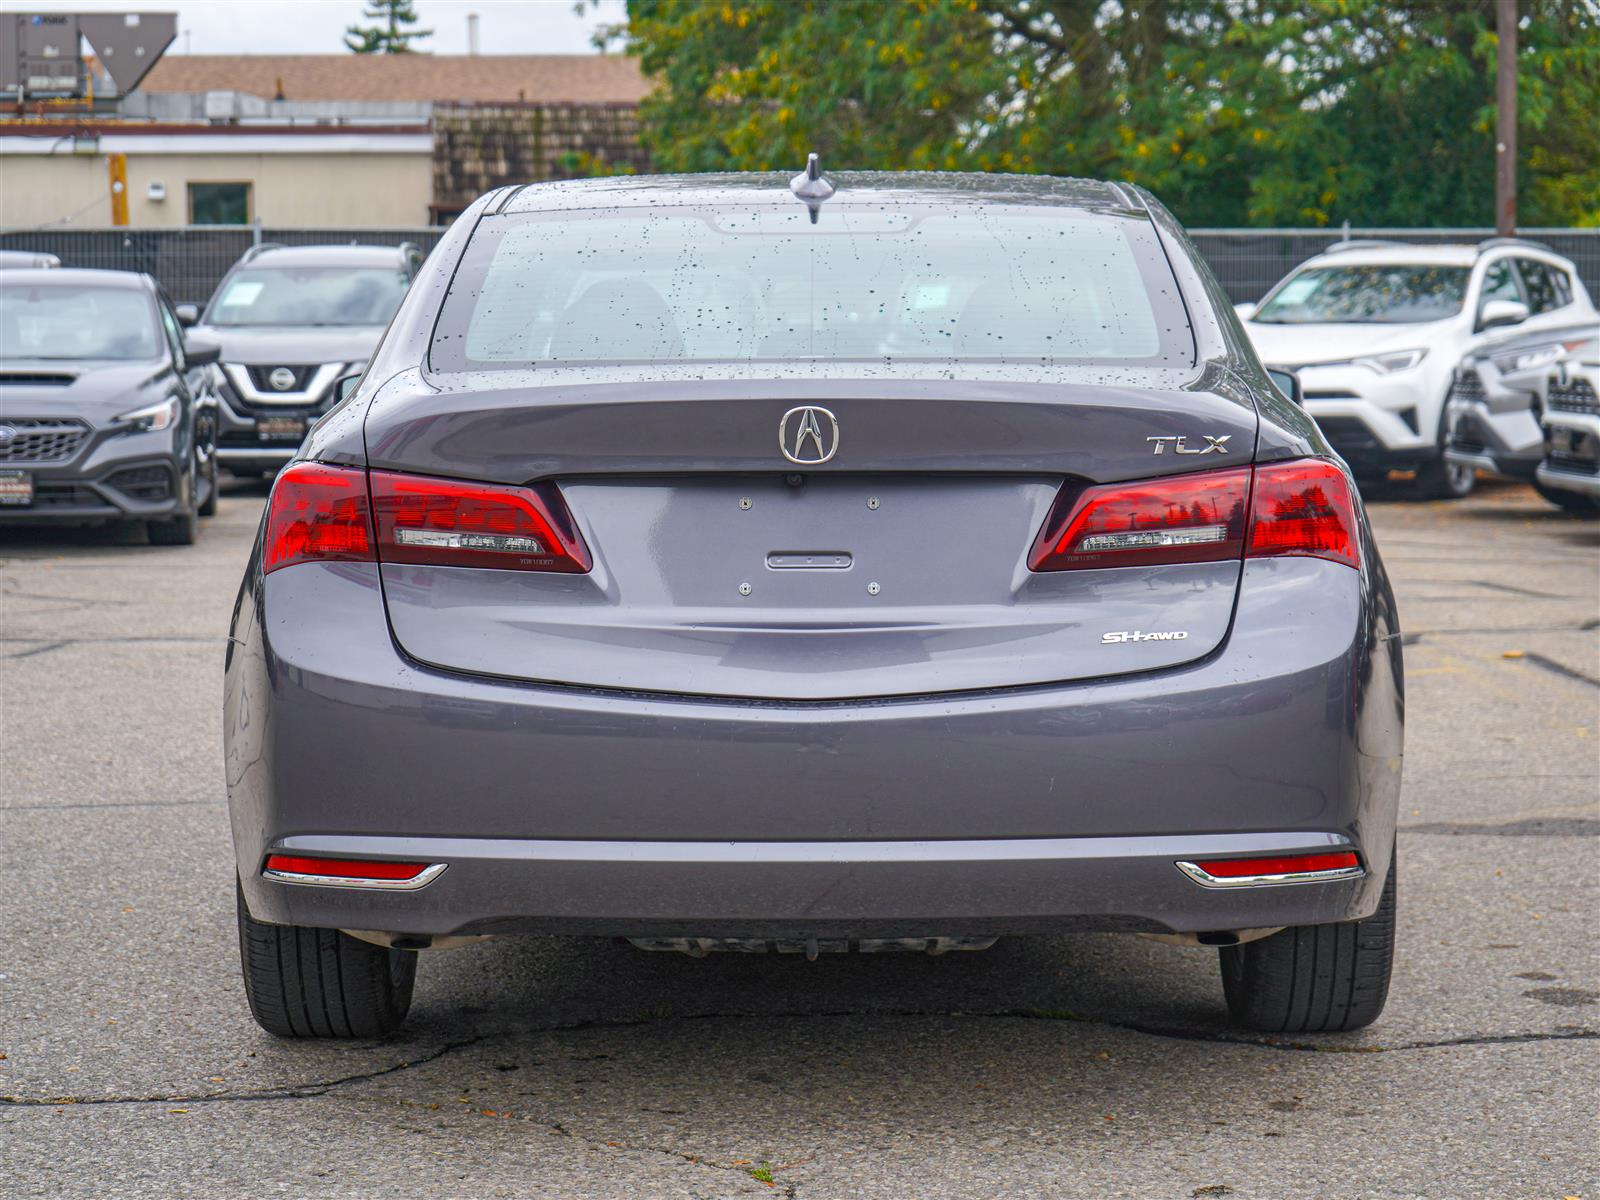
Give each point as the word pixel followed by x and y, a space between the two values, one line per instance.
pixel 1572 464
pixel 1468 386
pixel 259 376
pixel 1573 396
pixel 35 379
pixel 143 483
pixel 42 440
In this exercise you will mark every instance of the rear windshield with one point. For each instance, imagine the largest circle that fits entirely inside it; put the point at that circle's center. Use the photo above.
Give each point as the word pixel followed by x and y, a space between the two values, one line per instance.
pixel 76 321
pixel 309 296
pixel 1366 295
pixel 736 284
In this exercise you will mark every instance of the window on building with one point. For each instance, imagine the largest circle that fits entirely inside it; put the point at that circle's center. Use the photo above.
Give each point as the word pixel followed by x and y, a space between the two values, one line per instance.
pixel 219 204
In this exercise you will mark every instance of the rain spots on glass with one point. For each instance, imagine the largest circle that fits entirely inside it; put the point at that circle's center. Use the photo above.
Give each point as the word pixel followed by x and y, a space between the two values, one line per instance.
pixel 962 281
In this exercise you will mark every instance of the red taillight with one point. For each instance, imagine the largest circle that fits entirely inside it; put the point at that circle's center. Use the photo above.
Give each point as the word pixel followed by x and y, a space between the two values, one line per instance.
pixel 350 872
pixel 1175 519
pixel 321 513
pixel 317 513
pixel 344 868
pixel 1294 864
pixel 1302 507
pixel 1277 868
pixel 453 523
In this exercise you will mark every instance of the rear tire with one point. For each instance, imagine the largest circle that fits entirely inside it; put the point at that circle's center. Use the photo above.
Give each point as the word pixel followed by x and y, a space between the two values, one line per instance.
pixel 1314 978
pixel 304 982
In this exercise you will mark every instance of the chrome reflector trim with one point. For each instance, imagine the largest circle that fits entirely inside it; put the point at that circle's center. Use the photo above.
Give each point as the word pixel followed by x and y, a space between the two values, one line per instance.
pixel 1145 539
pixel 428 874
pixel 504 543
pixel 1194 872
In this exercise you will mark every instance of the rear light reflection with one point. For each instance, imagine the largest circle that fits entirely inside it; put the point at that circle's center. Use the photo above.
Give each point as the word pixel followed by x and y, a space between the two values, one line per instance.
pixel 1304 507
pixel 1272 869
pixel 322 513
pixel 350 872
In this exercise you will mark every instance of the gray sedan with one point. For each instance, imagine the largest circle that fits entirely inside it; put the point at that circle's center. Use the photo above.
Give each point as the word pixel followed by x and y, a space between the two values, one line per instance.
pixel 889 562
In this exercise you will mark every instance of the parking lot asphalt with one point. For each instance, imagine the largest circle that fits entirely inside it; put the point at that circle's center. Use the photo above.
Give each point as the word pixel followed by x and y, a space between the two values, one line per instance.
pixel 1092 1066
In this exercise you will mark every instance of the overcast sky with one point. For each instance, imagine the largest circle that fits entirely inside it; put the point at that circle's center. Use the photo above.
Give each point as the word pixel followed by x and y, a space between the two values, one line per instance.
pixel 317 26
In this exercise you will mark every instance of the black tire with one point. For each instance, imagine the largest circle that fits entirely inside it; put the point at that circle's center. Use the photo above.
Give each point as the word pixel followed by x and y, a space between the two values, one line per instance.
pixel 321 983
pixel 1314 978
pixel 1572 502
pixel 205 479
pixel 180 530
pixel 1439 479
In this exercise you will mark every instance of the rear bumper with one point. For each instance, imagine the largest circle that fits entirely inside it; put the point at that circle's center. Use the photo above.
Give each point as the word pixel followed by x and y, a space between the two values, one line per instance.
pixel 812 889
pixel 576 810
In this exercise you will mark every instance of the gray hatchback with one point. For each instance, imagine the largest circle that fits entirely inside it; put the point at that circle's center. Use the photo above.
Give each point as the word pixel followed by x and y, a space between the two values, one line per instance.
pixel 889 562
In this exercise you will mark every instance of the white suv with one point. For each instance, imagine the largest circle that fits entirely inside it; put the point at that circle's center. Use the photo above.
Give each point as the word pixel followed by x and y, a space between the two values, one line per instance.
pixel 1376 330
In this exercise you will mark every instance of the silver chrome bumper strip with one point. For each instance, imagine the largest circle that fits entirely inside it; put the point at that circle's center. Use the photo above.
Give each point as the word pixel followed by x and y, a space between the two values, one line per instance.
pixel 428 874
pixel 1194 872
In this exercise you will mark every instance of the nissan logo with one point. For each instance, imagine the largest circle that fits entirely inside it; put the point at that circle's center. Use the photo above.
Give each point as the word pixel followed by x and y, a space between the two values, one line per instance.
pixel 808 436
pixel 7 435
pixel 282 378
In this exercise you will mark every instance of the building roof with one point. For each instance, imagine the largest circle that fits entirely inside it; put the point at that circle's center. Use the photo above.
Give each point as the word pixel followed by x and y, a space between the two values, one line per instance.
pixel 506 78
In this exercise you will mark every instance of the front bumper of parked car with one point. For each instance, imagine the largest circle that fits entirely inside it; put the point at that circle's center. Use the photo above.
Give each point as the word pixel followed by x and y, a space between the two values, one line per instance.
pixel 1571 452
pixel 257 438
pixel 110 475
pixel 563 809
pixel 1504 443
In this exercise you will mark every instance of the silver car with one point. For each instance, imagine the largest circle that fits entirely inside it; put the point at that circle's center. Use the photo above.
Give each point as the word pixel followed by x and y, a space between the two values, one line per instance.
pixel 883 562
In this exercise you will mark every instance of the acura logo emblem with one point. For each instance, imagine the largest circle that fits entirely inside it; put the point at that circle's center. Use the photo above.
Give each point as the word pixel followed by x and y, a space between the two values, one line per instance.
pixel 282 378
pixel 808 436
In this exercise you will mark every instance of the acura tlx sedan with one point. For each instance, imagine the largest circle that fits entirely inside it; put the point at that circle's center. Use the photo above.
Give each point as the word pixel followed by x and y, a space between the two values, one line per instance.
pixel 890 562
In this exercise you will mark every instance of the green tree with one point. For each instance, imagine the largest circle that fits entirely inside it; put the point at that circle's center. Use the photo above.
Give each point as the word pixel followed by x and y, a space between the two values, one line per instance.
pixel 390 37
pixel 1268 111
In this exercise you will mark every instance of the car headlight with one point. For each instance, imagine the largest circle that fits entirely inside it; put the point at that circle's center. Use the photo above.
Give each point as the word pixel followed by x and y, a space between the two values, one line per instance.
pixel 1395 360
pixel 1537 356
pixel 147 420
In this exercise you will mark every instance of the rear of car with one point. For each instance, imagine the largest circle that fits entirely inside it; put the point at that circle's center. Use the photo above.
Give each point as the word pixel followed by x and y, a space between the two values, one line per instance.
pixel 912 567
pixel 102 416
pixel 291 321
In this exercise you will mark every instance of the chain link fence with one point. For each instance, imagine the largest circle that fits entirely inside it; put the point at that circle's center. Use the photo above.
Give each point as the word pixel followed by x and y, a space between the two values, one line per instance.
pixel 190 261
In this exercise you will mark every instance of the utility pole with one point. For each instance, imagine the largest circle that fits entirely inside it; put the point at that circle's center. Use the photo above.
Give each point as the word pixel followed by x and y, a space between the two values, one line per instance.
pixel 1505 103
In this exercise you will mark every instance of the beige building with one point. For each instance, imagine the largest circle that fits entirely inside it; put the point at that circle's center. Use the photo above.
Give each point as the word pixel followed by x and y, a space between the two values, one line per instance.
pixel 215 175
pixel 308 140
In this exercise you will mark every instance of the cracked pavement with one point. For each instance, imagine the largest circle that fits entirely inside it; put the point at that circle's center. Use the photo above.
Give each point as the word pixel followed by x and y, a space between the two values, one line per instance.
pixel 1089 1065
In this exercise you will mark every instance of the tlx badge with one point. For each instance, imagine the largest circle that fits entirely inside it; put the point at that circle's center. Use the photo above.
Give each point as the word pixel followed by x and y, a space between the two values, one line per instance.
pixel 1214 445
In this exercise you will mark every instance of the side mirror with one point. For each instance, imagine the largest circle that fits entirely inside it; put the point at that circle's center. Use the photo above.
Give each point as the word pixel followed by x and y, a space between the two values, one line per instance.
pixel 1502 312
pixel 345 386
pixel 1288 382
pixel 187 314
pixel 1245 310
pixel 201 351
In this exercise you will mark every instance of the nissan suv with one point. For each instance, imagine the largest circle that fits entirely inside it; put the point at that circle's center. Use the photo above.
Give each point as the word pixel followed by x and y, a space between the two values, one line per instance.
pixel 1377 329
pixel 291 320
